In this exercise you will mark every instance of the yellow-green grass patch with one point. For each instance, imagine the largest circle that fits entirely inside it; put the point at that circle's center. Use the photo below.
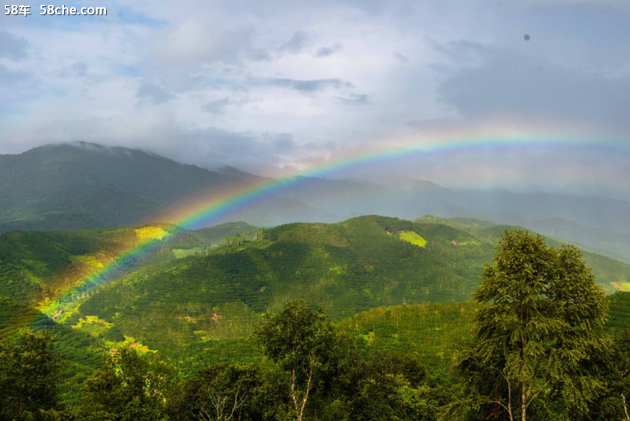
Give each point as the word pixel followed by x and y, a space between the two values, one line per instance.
pixel 413 238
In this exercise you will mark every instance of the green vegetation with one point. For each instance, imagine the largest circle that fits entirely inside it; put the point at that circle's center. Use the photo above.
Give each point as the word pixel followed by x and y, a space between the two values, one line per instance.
pixel 432 333
pixel 541 319
pixel 413 238
pixel 316 370
pixel 398 316
pixel 184 297
pixel 29 377
pixel 348 267
pixel 216 234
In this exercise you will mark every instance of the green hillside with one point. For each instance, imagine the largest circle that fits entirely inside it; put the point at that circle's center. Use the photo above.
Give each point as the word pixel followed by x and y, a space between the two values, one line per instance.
pixel 347 268
pixel 184 297
pixel 611 274
pixel 36 267
pixel 218 233
pixel 433 333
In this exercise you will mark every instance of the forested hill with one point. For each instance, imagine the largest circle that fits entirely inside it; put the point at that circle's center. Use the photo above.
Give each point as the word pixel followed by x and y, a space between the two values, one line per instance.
pixel 36 266
pixel 347 268
pixel 611 273
pixel 86 186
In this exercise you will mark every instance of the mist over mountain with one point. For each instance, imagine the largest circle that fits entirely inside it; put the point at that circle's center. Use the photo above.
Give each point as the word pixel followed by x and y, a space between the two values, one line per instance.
pixel 85 185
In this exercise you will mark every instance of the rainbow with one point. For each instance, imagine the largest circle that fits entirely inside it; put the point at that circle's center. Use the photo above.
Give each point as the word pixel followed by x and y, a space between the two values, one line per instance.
pixel 199 213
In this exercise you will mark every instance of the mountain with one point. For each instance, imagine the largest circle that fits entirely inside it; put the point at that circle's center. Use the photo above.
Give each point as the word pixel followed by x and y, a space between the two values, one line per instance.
pixel 391 284
pixel 604 267
pixel 346 267
pixel 217 233
pixel 613 244
pixel 594 222
pixel 84 185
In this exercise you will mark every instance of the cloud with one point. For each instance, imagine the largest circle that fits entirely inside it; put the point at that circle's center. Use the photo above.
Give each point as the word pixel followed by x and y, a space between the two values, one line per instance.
pixel 197 41
pixel 284 142
pixel 328 51
pixel 220 105
pixel 260 54
pixel 12 47
pixel 310 85
pixel 152 93
pixel 401 59
pixel 216 107
pixel 295 45
pixel 498 83
pixel 9 77
pixel 78 69
pixel 354 99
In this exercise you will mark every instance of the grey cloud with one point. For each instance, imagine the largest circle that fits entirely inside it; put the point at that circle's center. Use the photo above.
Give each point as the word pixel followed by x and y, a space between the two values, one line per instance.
pixel 328 51
pixel 216 107
pixel 284 142
pixel 213 147
pixel 512 85
pixel 219 105
pixel 209 147
pixel 153 93
pixel 354 99
pixel 401 59
pixel 260 55
pixel 12 47
pixel 311 85
pixel 78 69
pixel 186 82
pixel 9 77
pixel 295 44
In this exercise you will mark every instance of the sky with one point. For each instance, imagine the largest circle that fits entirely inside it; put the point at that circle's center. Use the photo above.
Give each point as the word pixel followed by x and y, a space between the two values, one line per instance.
pixel 282 86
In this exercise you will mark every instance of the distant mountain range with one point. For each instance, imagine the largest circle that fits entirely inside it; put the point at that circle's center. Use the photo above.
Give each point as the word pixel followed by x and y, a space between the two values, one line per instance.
pixel 85 185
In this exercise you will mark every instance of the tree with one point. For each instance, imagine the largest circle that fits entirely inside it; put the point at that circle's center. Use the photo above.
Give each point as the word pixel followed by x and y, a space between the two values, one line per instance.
pixel 540 319
pixel 614 404
pixel 29 374
pixel 304 346
pixel 129 388
pixel 221 392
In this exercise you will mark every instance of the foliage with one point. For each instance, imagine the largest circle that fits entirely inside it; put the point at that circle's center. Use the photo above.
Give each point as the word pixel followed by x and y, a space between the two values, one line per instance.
pixel 130 387
pixel 541 319
pixel 304 346
pixel 433 333
pixel 413 238
pixel 29 376
pixel 218 233
pixel 220 392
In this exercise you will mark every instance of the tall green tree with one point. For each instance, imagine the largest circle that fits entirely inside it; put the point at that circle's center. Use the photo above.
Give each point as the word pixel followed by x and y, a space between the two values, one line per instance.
pixel 29 375
pixel 220 392
pixel 130 388
pixel 540 320
pixel 305 346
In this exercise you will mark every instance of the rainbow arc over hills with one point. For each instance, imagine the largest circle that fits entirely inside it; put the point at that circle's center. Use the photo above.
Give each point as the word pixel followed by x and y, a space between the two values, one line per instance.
pixel 199 213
